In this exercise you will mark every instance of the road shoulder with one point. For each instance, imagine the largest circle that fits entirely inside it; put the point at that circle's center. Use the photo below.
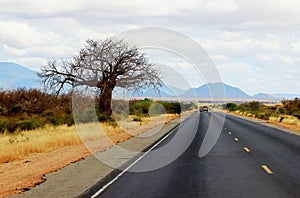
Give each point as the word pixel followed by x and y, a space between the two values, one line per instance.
pixel 78 177
pixel 268 124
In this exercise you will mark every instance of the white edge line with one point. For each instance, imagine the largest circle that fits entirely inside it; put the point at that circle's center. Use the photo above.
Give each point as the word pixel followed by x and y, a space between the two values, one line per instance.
pixel 136 161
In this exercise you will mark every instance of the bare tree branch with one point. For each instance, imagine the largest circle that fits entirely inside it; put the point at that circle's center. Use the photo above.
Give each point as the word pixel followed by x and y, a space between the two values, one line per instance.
pixel 104 64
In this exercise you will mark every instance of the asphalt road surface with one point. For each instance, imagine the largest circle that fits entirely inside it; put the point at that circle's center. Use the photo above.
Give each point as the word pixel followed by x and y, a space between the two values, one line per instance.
pixel 248 160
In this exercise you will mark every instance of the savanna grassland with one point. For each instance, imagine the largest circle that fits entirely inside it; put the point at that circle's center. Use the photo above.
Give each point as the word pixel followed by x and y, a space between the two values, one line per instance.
pixel 286 114
pixel 32 121
pixel 38 134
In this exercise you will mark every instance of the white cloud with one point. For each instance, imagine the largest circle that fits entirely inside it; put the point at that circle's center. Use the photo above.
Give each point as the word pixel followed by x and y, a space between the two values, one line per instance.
pixel 20 35
pixel 14 51
pixel 242 46
pixel 252 42
pixel 217 6
pixel 296 47
pixel 219 58
pixel 286 60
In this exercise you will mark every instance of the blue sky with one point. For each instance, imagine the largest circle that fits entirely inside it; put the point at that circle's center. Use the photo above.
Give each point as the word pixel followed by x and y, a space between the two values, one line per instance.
pixel 255 45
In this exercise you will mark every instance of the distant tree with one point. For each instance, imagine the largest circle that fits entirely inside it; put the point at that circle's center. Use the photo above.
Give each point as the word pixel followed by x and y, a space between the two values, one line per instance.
pixel 254 105
pixel 292 107
pixel 103 64
pixel 231 106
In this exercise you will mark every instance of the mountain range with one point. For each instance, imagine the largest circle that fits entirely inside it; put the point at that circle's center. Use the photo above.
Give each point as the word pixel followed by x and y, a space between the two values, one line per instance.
pixel 211 90
pixel 13 75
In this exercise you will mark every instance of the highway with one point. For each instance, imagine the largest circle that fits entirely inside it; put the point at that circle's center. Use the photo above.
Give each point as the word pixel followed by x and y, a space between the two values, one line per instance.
pixel 248 160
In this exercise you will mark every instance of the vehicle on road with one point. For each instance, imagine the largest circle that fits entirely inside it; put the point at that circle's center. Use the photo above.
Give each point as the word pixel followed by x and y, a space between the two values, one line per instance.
pixel 203 109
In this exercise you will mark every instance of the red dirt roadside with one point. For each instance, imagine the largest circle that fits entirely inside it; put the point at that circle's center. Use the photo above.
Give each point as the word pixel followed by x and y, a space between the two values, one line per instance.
pixel 17 176
pixel 20 175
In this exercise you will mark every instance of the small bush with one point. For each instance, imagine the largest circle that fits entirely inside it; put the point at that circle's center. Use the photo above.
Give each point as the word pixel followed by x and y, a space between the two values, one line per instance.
pixel 273 113
pixel 292 106
pixel 11 125
pixel 264 115
pixel 188 106
pixel 15 109
pixel 140 107
pixel 296 114
pixel 3 123
pixel 70 121
pixel 157 109
pixel 104 118
pixel 29 124
pixel 231 107
pixel 54 118
pixel 172 107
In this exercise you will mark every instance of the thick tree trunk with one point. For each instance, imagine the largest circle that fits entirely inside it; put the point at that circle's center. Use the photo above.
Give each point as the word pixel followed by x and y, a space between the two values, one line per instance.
pixel 105 98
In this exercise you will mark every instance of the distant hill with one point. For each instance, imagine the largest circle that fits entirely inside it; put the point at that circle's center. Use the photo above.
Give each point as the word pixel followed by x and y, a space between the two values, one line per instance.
pixel 264 96
pixel 287 96
pixel 13 75
pixel 217 91
pixel 163 91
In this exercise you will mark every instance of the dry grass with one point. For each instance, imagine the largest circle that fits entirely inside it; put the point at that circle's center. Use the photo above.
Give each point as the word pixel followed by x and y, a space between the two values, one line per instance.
pixel 291 120
pixel 286 119
pixel 47 150
pixel 18 146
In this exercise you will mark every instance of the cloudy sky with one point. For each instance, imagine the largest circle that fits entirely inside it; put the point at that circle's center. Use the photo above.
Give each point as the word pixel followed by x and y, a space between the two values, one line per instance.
pixel 255 44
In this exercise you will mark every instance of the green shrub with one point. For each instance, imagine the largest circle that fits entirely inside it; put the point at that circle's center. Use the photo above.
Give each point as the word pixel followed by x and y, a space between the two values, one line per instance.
pixel 231 107
pixel 175 108
pixel 281 110
pixel 104 118
pixel 69 120
pixel 11 125
pixel 54 118
pixel 140 107
pixel 157 109
pixel 172 107
pixel 292 106
pixel 29 124
pixel 254 106
pixel 264 115
pixel 3 124
pixel 296 114
pixel 188 106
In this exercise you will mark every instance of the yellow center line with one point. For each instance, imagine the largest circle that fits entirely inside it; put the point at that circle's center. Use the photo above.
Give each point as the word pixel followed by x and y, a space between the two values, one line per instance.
pixel 236 139
pixel 267 169
pixel 229 133
pixel 247 150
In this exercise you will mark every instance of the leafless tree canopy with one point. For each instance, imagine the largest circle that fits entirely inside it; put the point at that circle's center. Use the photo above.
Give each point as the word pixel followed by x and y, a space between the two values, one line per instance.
pixel 103 64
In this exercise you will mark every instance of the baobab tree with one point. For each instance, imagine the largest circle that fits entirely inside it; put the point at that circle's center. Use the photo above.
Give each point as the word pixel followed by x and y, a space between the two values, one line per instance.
pixel 103 64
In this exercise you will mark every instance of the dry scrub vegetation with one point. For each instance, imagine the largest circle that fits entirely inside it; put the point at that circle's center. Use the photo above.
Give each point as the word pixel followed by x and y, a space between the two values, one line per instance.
pixel 32 154
pixel 16 146
pixel 286 114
